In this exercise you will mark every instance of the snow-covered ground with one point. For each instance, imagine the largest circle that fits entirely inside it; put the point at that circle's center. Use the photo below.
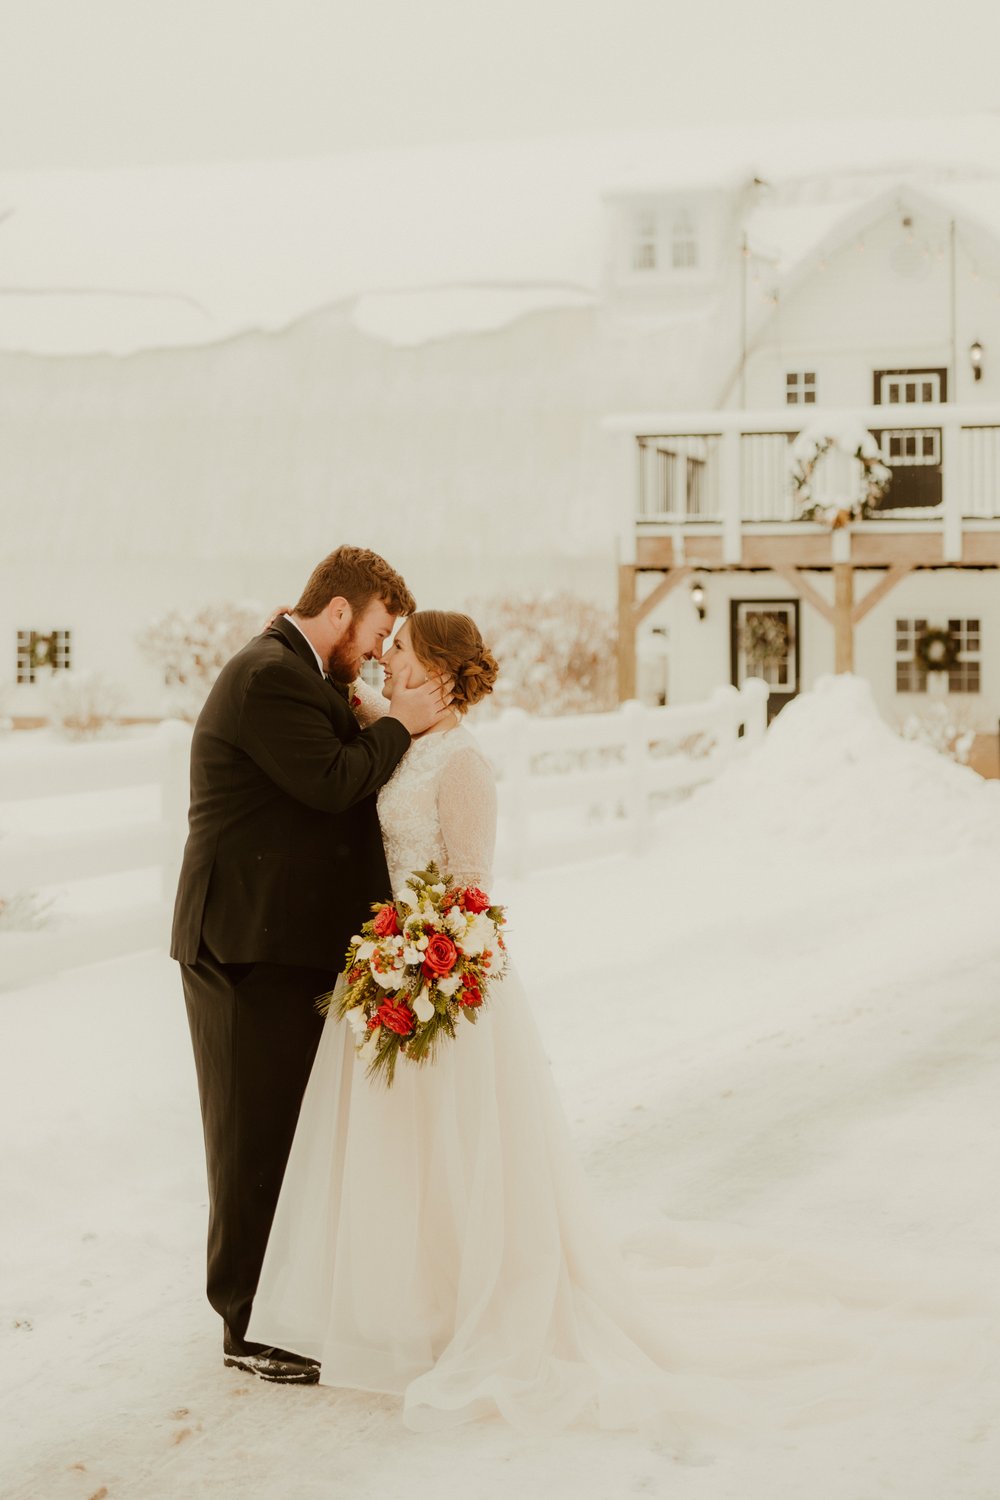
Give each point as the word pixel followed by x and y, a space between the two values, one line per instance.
pixel 796 1044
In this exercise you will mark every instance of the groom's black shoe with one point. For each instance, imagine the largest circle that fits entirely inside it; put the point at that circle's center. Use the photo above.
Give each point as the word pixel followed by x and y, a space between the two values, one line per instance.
pixel 268 1363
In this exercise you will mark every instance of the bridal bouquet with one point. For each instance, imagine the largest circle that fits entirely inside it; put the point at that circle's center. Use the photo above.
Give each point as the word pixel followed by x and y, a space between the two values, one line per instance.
pixel 423 961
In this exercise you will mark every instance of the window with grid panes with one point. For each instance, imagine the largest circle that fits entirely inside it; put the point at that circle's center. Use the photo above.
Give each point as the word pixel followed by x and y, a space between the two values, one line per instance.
pixel 37 649
pixel 644 241
pixel 963 677
pixel 800 388
pixel 684 243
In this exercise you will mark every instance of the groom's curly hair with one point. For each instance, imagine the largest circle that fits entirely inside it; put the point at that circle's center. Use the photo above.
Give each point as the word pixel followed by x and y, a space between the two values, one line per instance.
pixel 359 576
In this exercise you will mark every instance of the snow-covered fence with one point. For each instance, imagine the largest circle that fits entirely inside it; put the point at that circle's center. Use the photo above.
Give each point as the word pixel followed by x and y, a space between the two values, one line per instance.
pixel 67 850
pixel 586 784
pixel 569 787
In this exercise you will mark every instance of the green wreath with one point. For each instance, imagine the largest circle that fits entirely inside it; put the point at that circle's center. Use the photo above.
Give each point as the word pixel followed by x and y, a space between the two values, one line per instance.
pixel 937 650
pixel 875 478
pixel 43 651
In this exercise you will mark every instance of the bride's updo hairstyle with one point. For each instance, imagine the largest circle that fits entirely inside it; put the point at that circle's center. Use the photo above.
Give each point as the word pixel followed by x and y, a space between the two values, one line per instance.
pixel 444 641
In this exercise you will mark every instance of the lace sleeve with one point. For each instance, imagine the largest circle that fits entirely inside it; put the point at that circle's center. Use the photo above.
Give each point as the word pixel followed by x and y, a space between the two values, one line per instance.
pixel 467 810
pixel 372 705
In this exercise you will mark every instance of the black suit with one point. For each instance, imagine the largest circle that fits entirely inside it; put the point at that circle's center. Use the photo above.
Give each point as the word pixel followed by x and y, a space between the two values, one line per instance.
pixel 283 861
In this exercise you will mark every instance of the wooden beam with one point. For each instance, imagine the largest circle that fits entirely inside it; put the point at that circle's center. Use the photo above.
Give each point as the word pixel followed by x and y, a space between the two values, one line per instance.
pixel 843 622
pixel 626 632
pixel 805 590
pixel 895 575
pixel 663 588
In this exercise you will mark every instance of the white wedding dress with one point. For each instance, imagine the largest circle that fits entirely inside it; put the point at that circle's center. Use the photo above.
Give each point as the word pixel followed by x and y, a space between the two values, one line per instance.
pixel 438 1240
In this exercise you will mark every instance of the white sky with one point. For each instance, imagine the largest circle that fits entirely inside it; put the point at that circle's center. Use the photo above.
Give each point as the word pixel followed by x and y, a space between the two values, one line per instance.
pixel 131 82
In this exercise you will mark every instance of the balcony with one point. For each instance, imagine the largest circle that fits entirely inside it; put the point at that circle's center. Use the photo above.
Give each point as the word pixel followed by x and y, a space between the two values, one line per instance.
pixel 719 485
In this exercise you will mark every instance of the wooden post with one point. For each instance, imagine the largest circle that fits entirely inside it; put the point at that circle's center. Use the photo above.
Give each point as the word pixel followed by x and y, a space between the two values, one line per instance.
pixel 843 613
pixel 626 632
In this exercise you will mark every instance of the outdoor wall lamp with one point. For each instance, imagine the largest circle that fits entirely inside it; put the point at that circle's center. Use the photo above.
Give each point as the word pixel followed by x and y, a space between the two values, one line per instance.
pixel 976 356
pixel 698 597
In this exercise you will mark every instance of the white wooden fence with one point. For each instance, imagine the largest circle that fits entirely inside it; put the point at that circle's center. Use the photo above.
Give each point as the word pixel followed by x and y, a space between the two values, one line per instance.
pixel 586 784
pixel 61 854
pixel 569 787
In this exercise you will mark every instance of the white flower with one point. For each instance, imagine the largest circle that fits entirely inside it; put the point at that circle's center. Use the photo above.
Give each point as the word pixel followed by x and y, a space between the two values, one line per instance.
pixel 438 889
pixel 412 955
pixel 391 980
pixel 404 897
pixel 366 1053
pixel 449 985
pixel 365 951
pixel 482 934
pixel 355 1019
pixel 456 922
pixel 422 943
pixel 423 1006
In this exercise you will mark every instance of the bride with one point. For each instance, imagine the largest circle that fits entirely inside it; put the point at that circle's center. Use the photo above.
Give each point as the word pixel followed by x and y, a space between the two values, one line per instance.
pixel 437 1241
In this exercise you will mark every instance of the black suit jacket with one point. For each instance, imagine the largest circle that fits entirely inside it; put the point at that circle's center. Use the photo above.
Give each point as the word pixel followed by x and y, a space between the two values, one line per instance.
pixel 284 856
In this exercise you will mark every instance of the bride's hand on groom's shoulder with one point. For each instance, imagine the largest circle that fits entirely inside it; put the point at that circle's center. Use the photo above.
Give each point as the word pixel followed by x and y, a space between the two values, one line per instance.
pixel 276 614
pixel 420 708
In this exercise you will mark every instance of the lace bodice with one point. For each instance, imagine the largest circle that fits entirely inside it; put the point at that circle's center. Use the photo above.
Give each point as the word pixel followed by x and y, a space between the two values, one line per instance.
pixel 440 804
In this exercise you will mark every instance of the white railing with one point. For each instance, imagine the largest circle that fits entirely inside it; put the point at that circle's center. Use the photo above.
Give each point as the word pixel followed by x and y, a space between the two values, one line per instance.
pixel 698 467
pixel 568 788
pixel 584 785
pixel 58 853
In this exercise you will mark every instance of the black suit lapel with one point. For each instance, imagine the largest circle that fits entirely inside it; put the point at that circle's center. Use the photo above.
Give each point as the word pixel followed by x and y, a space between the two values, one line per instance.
pixel 338 694
pixel 293 637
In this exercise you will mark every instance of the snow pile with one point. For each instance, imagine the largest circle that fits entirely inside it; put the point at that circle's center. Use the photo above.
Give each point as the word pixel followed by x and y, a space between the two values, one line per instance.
pixel 833 776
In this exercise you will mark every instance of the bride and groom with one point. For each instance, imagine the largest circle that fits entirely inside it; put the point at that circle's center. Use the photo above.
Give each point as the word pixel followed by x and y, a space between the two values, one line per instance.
pixel 435 1241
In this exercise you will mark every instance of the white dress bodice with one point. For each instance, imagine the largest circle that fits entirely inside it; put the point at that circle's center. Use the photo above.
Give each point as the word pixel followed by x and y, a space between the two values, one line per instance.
pixel 440 804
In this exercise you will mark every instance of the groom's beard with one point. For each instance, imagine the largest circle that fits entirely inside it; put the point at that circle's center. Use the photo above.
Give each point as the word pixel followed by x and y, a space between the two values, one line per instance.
pixel 344 661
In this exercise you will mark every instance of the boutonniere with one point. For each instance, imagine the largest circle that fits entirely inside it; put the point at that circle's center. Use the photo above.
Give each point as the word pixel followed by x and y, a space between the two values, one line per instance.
pixel 355 701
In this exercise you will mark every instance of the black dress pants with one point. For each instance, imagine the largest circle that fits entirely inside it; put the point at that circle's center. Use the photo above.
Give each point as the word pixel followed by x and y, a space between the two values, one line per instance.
pixel 255 1030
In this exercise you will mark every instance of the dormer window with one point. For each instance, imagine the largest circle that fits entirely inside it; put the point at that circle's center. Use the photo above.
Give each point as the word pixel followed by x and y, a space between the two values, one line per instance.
pixel 644 241
pixel 684 243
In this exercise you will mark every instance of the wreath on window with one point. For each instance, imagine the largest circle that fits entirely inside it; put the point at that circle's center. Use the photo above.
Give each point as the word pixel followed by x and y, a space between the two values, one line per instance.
pixel 875 476
pixel 43 651
pixel 765 639
pixel 937 650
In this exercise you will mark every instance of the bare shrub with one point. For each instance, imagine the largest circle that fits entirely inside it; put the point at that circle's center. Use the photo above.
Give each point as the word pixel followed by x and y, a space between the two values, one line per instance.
pixel 83 705
pixel 192 649
pixel 945 727
pixel 556 652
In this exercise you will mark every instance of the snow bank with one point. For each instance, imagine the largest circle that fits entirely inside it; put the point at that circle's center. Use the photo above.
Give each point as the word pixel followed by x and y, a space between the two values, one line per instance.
pixel 833 777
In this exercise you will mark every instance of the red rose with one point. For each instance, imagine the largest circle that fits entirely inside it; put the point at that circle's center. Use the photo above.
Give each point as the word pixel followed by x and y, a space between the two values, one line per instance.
pixel 398 1018
pixel 471 995
pixel 475 900
pixel 386 923
pixel 439 956
pixel 355 701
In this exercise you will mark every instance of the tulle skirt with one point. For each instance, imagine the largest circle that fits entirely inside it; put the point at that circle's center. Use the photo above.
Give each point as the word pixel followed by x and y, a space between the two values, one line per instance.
pixel 438 1241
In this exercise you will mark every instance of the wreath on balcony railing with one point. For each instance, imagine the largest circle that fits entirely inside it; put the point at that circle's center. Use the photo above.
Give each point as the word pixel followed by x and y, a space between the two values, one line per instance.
pixel 875 476
pixel 937 650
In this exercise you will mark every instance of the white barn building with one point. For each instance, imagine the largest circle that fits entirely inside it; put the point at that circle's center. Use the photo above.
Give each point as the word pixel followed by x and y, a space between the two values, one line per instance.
pixel 579 364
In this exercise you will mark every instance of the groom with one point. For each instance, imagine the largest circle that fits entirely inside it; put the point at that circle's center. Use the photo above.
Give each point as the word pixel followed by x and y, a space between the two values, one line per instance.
pixel 283 861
